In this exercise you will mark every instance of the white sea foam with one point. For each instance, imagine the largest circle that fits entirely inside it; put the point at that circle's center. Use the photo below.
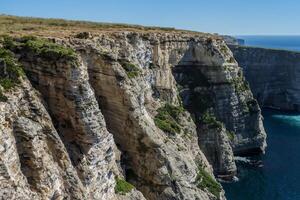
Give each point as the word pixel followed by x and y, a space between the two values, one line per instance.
pixel 242 159
pixel 235 179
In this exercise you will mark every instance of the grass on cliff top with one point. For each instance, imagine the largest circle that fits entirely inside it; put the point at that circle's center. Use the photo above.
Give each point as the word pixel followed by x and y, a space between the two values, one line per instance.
pixel 167 118
pixel 10 72
pixel 61 27
pixel 123 187
pixel 40 47
pixel 205 181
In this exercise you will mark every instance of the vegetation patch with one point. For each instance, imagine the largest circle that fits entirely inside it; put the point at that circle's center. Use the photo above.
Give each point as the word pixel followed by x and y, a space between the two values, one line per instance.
pixel 10 72
pixel 131 70
pixel 240 84
pixel 167 118
pixel 210 120
pixel 205 181
pixel 230 135
pixel 7 83
pixel 40 47
pixel 123 187
pixel 13 23
pixel 10 67
pixel 106 56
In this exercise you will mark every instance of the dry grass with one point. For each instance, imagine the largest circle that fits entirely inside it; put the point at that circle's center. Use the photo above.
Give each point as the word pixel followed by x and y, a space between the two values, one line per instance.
pixel 14 25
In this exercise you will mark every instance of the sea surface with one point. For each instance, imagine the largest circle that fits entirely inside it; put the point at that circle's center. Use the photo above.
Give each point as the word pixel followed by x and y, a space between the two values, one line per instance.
pixel 279 176
pixel 274 42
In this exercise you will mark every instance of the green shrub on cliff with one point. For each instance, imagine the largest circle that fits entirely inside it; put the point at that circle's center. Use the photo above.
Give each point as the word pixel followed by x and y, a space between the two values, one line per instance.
pixel 40 47
pixel 47 49
pixel 240 84
pixel 131 70
pixel 122 187
pixel 167 118
pixel 10 66
pixel 7 83
pixel 205 181
pixel 8 42
pixel 230 135
pixel 10 71
pixel 210 120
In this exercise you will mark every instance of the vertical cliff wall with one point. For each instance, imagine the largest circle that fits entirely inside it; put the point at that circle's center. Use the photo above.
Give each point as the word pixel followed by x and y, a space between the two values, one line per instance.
pixel 214 89
pixel 34 162
pixel 132 90
pixel 272 74
pixel 70 155
pixel 163 111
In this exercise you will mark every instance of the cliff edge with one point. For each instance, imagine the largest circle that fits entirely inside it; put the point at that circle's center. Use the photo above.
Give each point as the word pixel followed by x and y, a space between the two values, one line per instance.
pixel 145 113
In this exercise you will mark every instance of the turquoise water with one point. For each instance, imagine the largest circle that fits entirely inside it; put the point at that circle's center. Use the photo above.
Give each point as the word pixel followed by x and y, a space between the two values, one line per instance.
pixel 279 177
pixel 276 42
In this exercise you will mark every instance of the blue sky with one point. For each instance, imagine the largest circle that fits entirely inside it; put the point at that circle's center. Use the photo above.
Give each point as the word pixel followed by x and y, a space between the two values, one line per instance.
pixel 235 17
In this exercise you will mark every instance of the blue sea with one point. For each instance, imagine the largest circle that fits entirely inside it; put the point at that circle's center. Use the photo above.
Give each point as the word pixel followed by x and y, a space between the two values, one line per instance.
pixel 279 176
pixel 275 42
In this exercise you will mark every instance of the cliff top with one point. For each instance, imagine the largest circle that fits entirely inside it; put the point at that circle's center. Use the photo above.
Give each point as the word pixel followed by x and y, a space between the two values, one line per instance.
pixel 14 25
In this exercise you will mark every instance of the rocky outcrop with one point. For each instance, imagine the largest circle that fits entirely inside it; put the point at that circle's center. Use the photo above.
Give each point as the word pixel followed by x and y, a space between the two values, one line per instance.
pixel 163 111
pixel 34 162
pixel 130 101
pixel 72 158
pixel 272 75
pixel 229 40
pixel 212 83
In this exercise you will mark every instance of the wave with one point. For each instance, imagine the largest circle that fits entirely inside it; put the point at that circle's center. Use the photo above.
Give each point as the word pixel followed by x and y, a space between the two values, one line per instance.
pixel 254 163
pixel 242 159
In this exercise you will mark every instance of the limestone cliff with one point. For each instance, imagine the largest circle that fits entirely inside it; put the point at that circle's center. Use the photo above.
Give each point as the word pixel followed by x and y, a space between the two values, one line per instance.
pixel 133 82
pixel 68 155
pixel 272 74
pixel 164 111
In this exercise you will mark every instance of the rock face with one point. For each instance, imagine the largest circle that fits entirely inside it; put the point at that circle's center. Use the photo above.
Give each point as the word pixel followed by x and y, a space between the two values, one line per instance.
pixel 272 74
pixel 68 155
pixel 73 107
pixel 129 103
pixel 213 84
pixel 165 111
pixel 34 162
pixel 232 40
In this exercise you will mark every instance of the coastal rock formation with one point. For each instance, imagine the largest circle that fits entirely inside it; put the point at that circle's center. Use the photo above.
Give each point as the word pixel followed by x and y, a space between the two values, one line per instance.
pixel 68 155
pixel 272 75
pixel 213 88
pixel 229 40
pixel 34 162
pixel 95 116
pixel 132 90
